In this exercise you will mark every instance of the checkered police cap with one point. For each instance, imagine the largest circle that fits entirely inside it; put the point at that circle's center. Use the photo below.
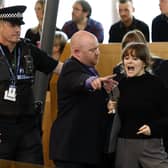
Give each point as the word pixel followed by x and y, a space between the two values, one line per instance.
pixel 13 14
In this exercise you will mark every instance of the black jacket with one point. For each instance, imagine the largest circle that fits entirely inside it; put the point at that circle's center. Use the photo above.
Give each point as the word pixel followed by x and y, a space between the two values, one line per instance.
pixel 159 28
pixel 78 134
pixel 31 59
pixel 118 30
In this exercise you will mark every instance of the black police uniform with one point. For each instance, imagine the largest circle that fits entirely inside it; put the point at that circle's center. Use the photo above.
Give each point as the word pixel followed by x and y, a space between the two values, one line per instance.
pixel 20 138
pixel 19 135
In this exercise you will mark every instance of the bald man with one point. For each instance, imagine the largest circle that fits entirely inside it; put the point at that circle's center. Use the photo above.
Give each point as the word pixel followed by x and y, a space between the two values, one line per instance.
pixel 79 133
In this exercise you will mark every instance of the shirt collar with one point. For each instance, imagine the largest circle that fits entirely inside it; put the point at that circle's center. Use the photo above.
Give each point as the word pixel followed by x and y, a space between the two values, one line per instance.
pixel 122 25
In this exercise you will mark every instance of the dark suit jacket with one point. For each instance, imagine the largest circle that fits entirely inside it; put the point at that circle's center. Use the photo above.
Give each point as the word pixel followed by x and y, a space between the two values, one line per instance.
pixel 78 134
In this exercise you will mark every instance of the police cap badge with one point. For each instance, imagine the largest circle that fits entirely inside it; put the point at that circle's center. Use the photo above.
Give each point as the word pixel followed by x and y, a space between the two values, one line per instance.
pixel 13 14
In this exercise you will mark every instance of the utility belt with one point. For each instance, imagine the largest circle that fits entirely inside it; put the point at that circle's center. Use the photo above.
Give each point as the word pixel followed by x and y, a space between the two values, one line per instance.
pixel 19 112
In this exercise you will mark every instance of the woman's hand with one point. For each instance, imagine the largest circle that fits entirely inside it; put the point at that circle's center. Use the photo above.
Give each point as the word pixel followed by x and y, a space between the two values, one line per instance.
pixel 145 129
pixel 111 105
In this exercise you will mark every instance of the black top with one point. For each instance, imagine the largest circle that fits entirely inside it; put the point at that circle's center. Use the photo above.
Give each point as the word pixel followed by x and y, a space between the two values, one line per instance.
pixel 78 134
pixel 30 57
pixel 34 37
pixel 118 30
pixel 160 28
pixel 143 100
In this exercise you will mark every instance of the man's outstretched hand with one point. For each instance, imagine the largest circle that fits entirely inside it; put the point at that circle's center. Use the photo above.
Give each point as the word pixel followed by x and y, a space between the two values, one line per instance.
pixel 107 82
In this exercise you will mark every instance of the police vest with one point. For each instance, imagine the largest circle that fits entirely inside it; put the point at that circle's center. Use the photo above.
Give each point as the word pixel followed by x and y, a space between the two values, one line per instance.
pixel 22 75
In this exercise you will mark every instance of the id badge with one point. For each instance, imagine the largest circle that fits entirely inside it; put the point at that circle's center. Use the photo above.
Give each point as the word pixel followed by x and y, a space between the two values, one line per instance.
pixel 10 94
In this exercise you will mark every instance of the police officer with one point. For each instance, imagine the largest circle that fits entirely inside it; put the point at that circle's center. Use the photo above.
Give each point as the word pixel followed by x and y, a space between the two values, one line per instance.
pixel 19 136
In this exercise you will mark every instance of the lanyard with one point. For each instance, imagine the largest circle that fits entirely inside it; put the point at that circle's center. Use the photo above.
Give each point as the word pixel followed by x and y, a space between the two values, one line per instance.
pixel 10 67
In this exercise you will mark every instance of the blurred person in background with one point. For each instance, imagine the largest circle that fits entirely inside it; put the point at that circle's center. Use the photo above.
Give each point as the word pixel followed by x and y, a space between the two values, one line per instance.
pixel 160 23
pixel 81 13
pixel 2 3
pixel 127 22
pixel 34 34
pixel 60 40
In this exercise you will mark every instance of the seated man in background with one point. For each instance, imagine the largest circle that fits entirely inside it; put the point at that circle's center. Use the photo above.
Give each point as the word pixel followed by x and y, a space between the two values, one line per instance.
pixel 81 21
pixel 160 23
pixel 128 22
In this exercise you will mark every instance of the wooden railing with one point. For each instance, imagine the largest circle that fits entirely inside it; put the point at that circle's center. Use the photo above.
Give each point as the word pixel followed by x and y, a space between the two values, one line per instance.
pixel 14 164
pixel 109 57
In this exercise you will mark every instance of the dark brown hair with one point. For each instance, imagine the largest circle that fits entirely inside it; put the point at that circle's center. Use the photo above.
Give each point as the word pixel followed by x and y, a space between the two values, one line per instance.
pixel 139 50
pixel 85 7
pixel 60 39
pixel 125 1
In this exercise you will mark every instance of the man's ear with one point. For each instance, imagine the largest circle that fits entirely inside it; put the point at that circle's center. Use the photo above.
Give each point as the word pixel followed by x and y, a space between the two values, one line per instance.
pixel 76 53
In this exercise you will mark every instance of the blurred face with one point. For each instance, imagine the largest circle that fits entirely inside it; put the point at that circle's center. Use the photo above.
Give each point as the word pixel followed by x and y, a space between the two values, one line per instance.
pixel 77 13
pixel 9 32
pixel 133 66
pixel 89 53
pixel 56 50
pixel 164 6
pixel 126 11
pixel 39 10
